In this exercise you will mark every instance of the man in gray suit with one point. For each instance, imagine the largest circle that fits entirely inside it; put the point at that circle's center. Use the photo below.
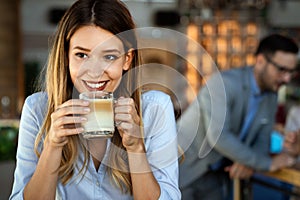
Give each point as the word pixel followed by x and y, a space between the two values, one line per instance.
pixel 235 113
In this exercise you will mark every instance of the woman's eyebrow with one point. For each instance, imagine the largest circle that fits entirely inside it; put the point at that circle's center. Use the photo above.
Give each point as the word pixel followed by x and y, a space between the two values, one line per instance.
pixel 115 50
pixel 112 51
pixel 81 48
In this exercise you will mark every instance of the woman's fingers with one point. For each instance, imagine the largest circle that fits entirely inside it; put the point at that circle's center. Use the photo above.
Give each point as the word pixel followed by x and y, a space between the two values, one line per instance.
pixel 73 106
pixel 128 123
pixel 66 120
pixel 74 102
pixel 123 117
pixel 69 122
pixel 126 116
pixel 125 111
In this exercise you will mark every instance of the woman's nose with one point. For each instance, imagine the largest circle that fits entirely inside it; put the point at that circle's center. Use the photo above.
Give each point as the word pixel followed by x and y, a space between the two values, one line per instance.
pixel 95 67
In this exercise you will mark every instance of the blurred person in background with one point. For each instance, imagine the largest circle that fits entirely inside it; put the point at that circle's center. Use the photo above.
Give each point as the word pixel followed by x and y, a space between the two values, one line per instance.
pixel 235 144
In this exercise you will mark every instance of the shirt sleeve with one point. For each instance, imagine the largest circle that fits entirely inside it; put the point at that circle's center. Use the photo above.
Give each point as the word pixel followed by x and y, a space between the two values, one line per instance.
pixel 161 142
pixel 26 157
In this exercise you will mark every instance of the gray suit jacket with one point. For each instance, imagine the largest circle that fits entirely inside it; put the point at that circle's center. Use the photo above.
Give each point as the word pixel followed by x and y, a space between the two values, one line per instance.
pixel 209 129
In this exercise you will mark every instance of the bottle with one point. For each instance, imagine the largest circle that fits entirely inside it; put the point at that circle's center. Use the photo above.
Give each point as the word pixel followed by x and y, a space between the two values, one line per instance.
pixel 5 107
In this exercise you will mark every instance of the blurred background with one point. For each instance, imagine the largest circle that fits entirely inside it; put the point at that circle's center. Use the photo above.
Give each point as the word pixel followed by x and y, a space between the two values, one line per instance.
pixel 229 30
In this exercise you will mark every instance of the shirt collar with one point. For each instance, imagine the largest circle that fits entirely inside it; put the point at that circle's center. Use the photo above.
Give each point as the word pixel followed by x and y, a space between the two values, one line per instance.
pixel 255 90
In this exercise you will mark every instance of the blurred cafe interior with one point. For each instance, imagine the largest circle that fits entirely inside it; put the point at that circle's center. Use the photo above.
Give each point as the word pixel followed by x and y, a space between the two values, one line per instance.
pixel 228 31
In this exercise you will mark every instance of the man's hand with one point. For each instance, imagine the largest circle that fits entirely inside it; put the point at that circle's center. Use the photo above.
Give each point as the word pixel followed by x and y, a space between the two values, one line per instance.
pixel 239 171
pixel 291 143
pixel 281 161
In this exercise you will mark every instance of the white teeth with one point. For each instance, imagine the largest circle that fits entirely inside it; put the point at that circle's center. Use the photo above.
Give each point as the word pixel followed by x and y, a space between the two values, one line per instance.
pixel 95 85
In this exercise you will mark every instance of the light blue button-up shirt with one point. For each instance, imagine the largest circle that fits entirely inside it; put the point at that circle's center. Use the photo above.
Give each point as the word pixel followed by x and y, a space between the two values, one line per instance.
pixel 254 100
pixel 160 144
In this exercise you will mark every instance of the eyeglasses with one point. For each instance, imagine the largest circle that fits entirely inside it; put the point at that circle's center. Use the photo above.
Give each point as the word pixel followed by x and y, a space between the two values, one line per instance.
pixel 281 69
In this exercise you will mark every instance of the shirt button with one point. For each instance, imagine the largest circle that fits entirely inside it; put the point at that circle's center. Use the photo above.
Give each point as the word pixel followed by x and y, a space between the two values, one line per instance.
pixel 97 183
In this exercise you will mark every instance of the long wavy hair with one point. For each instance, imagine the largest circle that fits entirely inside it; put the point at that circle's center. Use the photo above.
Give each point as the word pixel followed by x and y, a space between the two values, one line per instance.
pixel 113 16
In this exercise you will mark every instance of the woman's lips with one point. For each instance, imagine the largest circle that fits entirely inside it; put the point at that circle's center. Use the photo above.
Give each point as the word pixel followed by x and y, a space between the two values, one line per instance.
pixel 96 86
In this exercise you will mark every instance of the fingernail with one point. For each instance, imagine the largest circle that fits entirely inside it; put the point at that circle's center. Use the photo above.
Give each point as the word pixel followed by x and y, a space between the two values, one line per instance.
pixel 86 109
pixel 80 130
pixel 86 102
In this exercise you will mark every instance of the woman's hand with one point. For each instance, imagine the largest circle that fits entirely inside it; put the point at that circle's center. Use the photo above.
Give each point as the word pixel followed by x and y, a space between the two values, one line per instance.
pixel 66 120
pixel 128 124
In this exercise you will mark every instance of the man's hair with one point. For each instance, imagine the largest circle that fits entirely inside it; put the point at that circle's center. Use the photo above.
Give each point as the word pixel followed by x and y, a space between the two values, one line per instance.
pixel 275 42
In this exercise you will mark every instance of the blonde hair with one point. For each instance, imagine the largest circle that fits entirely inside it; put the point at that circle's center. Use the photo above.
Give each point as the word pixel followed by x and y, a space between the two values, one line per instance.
pixel 111 15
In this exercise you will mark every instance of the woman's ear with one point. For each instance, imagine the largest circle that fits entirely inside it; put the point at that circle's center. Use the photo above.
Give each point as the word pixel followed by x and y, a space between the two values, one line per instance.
pixel 128 59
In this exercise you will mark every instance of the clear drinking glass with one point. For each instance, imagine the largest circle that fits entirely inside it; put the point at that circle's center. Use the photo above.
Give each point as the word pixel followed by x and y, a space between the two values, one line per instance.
pixel 100 121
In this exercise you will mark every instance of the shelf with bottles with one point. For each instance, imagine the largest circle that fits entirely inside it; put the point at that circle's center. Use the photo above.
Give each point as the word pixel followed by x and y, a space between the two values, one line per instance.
pixel 230 42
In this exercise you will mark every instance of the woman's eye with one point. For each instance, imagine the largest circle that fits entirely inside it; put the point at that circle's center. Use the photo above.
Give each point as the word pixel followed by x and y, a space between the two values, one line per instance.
pixel 81 55
pixel 110 57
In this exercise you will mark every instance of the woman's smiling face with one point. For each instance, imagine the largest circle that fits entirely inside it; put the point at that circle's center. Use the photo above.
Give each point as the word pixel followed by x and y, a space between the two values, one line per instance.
pixel 97 59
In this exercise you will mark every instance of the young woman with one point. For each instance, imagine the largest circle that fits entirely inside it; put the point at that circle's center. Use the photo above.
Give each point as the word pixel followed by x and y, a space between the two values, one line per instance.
pixel 95 48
